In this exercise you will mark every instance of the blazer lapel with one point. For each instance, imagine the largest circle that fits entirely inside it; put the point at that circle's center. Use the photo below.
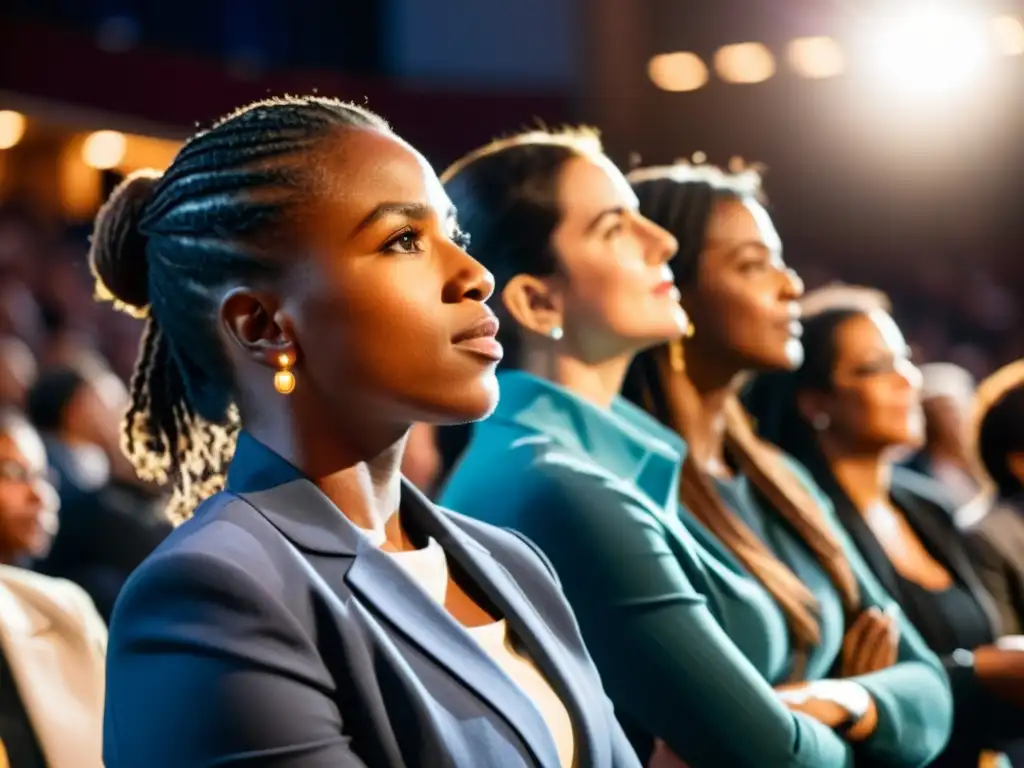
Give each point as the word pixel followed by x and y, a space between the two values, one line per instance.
pixel 937 530
pixel 56 680
pixel 311 521
pixel 530 629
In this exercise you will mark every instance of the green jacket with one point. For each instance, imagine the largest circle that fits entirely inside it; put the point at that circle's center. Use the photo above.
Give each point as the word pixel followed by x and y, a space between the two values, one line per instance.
pixel 688 643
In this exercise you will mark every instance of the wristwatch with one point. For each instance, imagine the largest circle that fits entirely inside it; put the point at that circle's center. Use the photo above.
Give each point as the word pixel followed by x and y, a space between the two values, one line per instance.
pixel 850 696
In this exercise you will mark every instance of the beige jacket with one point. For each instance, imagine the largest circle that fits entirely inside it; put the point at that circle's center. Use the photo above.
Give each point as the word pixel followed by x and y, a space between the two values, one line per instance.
pixel 55 643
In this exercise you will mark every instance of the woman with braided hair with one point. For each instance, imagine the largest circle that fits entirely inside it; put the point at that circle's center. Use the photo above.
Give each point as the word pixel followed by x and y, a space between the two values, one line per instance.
pixel 307 298
pixel 790 589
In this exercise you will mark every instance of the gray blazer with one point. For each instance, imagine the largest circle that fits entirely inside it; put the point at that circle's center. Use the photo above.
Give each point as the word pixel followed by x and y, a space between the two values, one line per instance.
pixel 268 631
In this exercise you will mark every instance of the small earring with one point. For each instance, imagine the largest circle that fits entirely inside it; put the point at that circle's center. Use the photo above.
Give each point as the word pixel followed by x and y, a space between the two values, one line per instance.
pixel 690 330
pixel 284 379
pixel 556 333
pixel 821 421
pixel 675 356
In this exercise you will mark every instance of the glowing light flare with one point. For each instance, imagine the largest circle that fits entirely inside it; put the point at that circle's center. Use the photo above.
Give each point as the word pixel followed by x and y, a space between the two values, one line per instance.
pixel 678 72
pixel 12 128
pixel 104 149
pixel 744 63
pixel 930 48
pixel 1007 35
pixel 816 58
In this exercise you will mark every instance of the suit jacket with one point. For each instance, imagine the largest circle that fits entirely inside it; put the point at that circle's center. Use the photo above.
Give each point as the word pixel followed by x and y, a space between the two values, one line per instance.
pixel 54 642
pixel 996 544
pixel 268 631
pixel 932 517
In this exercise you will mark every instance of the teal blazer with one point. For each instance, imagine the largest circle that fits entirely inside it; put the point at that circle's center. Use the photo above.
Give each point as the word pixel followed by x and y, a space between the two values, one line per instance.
pixel 688 643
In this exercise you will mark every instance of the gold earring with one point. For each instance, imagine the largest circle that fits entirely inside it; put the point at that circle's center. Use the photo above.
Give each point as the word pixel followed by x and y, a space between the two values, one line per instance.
pixel 688 333
pixel 284 379
pixel 675 356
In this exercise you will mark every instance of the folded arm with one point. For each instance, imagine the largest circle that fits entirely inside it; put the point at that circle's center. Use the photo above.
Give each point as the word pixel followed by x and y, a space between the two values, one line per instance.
pixel 664 659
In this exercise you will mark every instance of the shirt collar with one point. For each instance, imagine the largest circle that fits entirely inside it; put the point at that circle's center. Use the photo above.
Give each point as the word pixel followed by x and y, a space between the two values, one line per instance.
pixel 623 439
pixel 255 467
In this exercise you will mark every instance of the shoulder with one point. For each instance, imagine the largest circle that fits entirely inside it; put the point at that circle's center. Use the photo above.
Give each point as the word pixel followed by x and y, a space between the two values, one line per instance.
pixel 52 597
pixel 37 588
pixel 923 488
pixel 226 558
pixel 505 544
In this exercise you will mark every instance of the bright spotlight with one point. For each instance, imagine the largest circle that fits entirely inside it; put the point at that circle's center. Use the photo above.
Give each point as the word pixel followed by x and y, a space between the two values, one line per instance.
pixel 930 47
pixel 677 72
pixel 816 57
pixel 12 128
pixel 744 63
pixel 104 149
pixel 1008 35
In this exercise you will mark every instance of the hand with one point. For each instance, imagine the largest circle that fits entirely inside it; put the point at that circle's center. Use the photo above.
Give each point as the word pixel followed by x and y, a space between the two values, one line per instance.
pixel 832 703
pixel 801 698
pixel 664 757
pixel 1000 668
pixel 871 643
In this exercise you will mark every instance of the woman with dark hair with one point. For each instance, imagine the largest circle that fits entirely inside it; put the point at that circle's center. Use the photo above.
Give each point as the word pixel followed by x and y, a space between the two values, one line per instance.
pixel 592 479
pixel 307 299
pixel 997 540
pixel 52 641
pixel 844 413
pixel 789 588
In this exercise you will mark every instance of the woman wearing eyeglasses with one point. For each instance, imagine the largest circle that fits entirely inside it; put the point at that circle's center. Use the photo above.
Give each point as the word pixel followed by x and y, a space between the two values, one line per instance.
pixel 52 640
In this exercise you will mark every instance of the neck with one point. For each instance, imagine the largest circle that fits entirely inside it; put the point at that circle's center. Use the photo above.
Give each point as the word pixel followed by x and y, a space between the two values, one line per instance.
pixel 939 451
pixel 357 466
pixel 863 475
pixel 598 383
pixel 698 407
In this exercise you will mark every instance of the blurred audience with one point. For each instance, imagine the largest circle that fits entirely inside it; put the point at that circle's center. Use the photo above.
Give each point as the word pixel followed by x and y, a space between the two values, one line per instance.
pixel 997 540
pixel 17 371
pixel 947 392
pixel 110 520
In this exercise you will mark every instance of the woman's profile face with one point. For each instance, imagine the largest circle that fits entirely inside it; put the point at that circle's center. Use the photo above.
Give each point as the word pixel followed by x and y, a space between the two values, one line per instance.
pixel 618 294
pixel 743 303
pixel 28 502
pixel 875 399
pixel 388 309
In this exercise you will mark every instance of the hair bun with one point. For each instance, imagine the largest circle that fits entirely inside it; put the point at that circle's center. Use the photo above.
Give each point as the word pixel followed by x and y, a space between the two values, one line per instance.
pixel 118 250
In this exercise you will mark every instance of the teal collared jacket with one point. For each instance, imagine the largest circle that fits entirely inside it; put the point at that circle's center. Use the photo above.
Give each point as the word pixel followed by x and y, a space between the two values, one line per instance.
pixel 688 643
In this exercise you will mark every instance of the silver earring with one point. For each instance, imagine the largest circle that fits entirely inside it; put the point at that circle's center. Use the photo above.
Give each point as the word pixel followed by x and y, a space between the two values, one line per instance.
pixel 821 421
pixel 555 333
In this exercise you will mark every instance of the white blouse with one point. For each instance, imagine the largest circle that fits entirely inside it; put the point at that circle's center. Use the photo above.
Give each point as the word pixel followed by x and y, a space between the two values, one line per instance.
pixel 429 568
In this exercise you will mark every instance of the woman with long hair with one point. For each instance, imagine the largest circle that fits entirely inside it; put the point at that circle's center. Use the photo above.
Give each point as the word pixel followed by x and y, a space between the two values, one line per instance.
pixel 794 594
pixel 586 283
pixel 845 414
pixel 307 299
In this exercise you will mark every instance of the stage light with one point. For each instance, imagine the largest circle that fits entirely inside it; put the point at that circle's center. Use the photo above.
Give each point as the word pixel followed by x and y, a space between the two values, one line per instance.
pixel 744 63
pixel 1008 35
pixel 12 128
pixel 104 149
pixel 816 58
pixel 930 47
pixel 677 72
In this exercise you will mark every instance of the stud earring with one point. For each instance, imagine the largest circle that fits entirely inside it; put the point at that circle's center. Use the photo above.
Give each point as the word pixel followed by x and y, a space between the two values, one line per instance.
pixel 556 333
pixel 688 333
pixel 821 421
pixel 675 356
pixel 284 379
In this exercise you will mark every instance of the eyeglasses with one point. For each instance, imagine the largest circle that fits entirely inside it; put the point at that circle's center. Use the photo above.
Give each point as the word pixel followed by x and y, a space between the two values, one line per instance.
pixel 12 471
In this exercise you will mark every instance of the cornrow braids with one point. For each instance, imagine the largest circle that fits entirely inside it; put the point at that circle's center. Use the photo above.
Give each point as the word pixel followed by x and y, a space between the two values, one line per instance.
pixel 163 248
